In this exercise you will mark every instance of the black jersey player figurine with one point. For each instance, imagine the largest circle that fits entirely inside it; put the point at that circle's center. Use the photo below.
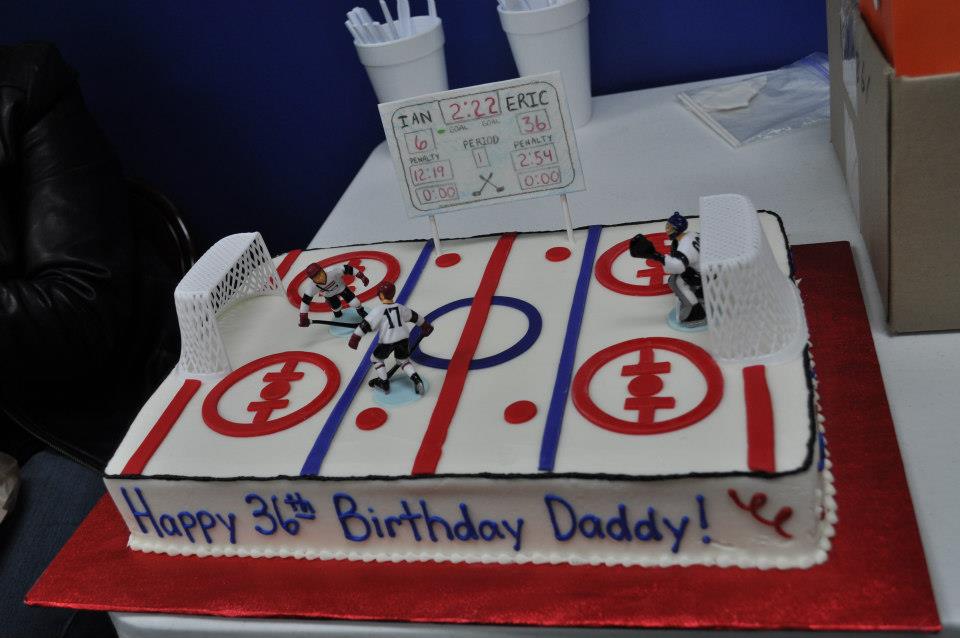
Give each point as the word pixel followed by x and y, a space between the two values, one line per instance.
pixel 682 263
pixel 329 283
pixel 390 320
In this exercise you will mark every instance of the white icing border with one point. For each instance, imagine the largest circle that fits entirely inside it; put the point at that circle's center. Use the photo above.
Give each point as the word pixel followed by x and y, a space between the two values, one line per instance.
pixel 827 530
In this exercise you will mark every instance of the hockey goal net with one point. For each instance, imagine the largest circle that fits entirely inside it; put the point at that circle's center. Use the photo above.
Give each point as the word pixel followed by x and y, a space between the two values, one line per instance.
pixel 235 268
pixel 754 311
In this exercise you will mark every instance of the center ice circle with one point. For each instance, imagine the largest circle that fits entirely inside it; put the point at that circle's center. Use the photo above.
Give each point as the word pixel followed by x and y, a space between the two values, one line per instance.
pixel 534 324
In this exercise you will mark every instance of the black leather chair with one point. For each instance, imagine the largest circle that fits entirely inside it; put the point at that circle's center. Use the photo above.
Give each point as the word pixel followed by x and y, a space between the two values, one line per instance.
pixel 165 252
pixel 155 214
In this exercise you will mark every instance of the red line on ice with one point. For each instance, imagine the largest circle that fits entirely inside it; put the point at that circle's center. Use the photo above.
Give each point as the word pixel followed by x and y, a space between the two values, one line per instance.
pixel 431 447
pixel 160 430
pixel 760 435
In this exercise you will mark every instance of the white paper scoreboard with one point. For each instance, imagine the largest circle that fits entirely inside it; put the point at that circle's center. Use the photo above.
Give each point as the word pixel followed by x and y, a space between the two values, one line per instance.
pixel 483 144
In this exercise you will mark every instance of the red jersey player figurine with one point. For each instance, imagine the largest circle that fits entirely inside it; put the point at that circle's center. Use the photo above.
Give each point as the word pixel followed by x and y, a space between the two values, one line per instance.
pixel 391 320
pixel 330 284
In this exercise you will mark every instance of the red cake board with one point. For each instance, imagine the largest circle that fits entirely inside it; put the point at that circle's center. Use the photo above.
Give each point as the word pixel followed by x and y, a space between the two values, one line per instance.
pixel 875 579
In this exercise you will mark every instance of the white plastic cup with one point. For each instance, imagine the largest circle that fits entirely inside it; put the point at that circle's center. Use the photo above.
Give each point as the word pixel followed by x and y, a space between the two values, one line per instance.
pixel 556 38
pixel 410 66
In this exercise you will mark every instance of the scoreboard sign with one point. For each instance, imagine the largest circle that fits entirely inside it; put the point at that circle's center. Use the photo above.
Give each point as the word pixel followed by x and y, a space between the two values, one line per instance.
pixel 483 144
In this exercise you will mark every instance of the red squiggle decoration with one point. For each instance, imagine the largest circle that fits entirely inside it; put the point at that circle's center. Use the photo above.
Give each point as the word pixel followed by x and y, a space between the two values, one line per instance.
pixel 757 501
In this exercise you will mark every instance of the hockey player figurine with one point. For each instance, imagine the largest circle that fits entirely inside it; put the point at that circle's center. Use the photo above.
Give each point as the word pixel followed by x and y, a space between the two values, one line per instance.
pixel 330 284
pixel 391 320
pixel 682 263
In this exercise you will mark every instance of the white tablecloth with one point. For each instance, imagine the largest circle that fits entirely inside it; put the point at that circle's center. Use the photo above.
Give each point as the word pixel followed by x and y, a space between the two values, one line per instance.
pixel 644 156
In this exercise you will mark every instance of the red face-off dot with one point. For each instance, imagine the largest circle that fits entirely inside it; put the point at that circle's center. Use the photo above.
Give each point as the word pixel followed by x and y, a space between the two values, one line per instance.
pixel 371 418
pixel 645 385
pixel 447 259
pixel 520 412
pixel 557 253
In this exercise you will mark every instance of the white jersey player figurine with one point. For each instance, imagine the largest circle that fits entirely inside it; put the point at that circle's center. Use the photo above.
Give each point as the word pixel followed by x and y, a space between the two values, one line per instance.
pixel 390 320
pixel 682 263
pixel 330 284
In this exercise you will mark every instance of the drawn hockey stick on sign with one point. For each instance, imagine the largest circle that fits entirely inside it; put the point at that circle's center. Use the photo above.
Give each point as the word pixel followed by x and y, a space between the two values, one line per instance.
pixel 486 180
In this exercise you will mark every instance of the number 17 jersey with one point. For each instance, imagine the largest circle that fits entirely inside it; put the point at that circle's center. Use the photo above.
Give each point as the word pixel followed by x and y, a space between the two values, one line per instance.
pixel 390 320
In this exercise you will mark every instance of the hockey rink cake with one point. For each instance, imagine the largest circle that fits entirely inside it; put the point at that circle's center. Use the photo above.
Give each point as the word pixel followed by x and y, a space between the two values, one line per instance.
pixel 565 414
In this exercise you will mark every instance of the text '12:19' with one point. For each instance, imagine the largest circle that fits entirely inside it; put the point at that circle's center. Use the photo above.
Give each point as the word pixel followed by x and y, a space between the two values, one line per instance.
pixel 432 172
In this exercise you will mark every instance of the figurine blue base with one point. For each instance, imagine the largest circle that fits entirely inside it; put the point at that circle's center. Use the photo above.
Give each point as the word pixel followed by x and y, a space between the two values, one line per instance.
pixel 401 391
pixel 674 323
pixel 349 316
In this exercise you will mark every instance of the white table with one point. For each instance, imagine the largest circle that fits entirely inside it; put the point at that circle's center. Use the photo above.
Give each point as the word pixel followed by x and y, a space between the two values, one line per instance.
pixel 644 156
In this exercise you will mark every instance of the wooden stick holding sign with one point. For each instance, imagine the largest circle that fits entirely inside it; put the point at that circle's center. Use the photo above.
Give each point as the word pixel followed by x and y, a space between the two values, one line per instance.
pixel 567 219
pixel 436 234
pixel 488 144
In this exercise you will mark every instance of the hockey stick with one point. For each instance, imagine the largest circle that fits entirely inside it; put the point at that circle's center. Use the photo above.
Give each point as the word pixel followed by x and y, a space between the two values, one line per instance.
pixel 335 323
pixel 396 366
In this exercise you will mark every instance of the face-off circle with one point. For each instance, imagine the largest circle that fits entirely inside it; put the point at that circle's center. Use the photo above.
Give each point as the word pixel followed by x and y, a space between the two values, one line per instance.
pixel 646 384
pixel 277 386
pixel 354 258
pixel 656 278
pixel 534 325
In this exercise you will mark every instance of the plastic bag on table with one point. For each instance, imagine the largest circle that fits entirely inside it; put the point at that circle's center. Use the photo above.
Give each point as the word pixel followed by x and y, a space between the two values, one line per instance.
pixel 765 105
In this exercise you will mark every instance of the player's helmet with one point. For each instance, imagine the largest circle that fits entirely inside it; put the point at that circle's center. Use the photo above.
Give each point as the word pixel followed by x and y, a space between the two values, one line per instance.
pixel 387 290
pixel 312 270
pixel 678 221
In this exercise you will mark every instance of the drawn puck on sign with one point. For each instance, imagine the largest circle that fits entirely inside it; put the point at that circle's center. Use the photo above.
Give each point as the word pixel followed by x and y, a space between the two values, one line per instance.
pixel 656 278
pixel 645 386
pixel 277 385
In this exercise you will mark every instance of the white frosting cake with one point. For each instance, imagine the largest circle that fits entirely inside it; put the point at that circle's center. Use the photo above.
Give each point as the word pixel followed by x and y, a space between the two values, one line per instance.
pixel 565 420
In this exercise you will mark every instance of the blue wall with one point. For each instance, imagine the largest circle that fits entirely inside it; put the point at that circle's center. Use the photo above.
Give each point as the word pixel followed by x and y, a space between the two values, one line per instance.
pixel 254 114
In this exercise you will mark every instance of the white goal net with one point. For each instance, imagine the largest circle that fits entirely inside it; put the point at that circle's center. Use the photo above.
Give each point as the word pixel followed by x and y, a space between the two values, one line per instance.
pixel 754 311
pixel 236 267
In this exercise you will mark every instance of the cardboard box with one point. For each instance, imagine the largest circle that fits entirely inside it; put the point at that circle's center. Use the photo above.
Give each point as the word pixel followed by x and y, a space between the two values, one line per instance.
pixel 898 140
pixel 918 37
